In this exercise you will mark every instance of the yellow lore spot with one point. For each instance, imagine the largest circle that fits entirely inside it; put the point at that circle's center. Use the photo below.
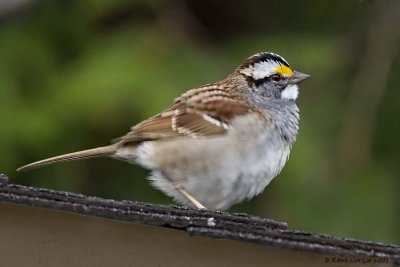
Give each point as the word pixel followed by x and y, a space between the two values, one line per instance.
pixel 283 70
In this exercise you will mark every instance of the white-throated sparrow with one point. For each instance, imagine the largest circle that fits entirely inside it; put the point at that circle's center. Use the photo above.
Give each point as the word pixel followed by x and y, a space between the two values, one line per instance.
pixel 218 144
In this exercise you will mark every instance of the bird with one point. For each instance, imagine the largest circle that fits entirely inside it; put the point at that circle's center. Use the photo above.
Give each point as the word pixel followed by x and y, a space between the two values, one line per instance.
pixel 218 144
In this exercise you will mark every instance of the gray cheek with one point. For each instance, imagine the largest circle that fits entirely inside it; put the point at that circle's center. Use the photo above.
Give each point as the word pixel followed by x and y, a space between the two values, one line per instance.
pixel 269 90
pixel 273 92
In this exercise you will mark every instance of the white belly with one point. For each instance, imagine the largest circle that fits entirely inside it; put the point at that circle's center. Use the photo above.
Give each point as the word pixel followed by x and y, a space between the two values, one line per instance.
pixel 218 171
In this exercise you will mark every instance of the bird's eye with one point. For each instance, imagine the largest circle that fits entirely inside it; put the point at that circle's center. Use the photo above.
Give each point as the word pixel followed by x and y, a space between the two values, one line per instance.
pixel 276 77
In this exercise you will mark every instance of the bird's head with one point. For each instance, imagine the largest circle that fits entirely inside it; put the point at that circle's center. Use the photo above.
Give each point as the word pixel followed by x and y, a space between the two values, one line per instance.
pixel 271 75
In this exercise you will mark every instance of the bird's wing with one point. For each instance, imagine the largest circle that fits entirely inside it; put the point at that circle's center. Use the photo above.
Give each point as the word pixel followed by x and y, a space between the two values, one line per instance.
pixel 200 112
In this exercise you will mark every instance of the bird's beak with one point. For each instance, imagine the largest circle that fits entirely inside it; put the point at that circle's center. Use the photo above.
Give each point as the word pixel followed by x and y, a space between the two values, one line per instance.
pixel 298 77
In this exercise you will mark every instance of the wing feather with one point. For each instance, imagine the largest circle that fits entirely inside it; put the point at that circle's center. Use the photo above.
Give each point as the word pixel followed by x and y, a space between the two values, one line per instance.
pixel 199 112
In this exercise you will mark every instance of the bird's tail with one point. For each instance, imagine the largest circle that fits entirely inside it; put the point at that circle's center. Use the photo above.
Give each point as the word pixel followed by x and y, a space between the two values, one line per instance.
pixel 84 154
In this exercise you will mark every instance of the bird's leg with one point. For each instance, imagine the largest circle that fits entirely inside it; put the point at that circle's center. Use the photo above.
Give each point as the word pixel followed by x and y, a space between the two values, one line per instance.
pixel 191 198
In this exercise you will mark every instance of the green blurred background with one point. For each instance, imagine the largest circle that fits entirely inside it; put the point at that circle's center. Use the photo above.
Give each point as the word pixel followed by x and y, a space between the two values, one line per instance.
pixel 76 74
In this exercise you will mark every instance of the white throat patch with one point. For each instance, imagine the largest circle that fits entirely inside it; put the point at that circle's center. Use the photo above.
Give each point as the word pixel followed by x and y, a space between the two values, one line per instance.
pixel 291 92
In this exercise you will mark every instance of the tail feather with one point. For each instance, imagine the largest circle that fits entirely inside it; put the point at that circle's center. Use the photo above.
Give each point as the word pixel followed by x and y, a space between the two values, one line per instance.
pixel 84 154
